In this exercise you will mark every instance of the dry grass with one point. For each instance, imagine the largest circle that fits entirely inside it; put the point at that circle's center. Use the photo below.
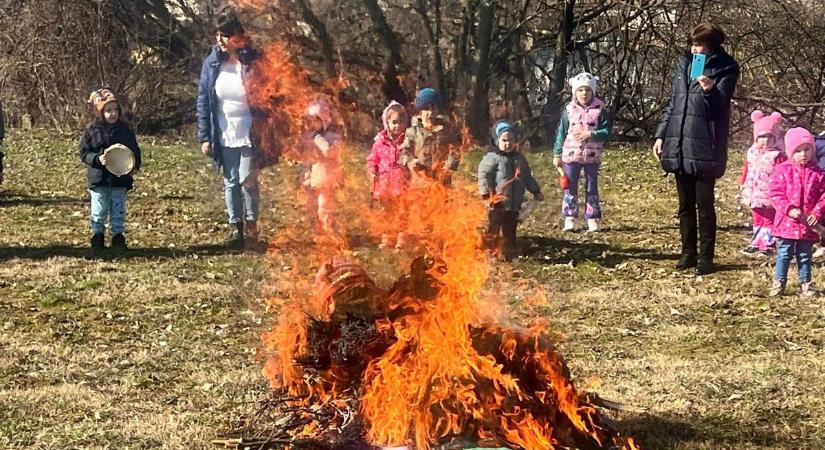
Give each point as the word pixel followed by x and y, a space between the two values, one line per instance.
pixel 149 349
pixel 155 348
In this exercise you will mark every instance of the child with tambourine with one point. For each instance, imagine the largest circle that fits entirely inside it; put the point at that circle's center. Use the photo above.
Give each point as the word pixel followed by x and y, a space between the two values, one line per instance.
pixel 112 156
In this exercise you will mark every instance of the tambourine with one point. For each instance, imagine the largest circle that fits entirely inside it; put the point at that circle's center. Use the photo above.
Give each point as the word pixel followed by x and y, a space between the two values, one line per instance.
pixel 119 159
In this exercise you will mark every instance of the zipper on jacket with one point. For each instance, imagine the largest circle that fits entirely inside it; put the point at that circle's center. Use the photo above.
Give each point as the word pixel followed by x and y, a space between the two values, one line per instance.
pixel 680 154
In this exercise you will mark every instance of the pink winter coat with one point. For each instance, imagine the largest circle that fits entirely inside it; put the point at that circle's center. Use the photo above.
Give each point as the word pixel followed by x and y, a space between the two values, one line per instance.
pixel 795 186
pixel 392 178
pixel 759 166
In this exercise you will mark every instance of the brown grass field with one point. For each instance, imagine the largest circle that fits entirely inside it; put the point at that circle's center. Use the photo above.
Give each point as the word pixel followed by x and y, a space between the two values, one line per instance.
pixel 156 347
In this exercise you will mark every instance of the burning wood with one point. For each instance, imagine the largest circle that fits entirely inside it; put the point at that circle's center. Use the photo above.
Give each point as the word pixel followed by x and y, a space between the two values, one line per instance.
pixel 517 394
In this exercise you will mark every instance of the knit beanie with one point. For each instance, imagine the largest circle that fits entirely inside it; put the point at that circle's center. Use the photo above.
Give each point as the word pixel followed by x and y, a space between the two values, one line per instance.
pixel 501 127
pixel 427 96
pixel 795 138
pixel 393 106
pixel 584 79
pixel 320 108
pixel 764 125
pixel 99 99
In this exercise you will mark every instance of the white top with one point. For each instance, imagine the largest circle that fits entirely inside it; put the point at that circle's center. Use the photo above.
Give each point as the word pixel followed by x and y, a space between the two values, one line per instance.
pixel 236 120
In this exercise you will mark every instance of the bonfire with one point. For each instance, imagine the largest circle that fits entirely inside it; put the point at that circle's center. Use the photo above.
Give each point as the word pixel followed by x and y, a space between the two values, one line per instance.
pixel 422 363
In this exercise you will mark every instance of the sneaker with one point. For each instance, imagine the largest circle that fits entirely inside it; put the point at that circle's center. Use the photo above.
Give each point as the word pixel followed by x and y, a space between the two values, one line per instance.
pixel 569 224
pixel 777 288
pixel 251 231
pixel 119 241
pixel 705 267
pixel 749 250
pixel 592 225
pixel 819 253
pixel 808 289
pixel 686 262
pixel 236 236
pixel 98 242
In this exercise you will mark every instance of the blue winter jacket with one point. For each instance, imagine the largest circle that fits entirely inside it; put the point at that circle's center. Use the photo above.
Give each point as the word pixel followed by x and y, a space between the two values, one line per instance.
pixel 209 106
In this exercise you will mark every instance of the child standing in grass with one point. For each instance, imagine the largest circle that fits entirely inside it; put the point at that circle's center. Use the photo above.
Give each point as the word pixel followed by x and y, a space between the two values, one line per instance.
pixel 583 128
pixel 388 177
pixel 503 176
pixel 760 160
pixel 107 190
pixel 319 149
pixel 797 192
pixel 430 152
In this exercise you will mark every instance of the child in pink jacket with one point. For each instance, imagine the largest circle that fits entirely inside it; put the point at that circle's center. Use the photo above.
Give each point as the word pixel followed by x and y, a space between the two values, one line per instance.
pixel 389 178
pixel 797 192
pixel 766 152
pixel 321 174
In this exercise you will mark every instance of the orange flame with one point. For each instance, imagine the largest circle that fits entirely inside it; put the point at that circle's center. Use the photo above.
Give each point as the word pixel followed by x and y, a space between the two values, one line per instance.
pixel 434 381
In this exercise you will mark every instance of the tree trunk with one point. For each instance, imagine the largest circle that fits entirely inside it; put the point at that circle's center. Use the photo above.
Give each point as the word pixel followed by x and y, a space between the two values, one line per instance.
pixel 461 53
pixel 479 105
pixel 320 31
pixel 391 85
pixel 564 45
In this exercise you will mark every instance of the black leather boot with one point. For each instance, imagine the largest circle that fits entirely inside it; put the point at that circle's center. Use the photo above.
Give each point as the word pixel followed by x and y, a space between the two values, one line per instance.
pixel 686 262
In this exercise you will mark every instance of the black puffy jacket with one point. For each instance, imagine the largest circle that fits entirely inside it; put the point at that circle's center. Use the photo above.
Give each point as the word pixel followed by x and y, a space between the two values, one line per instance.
pixel 98 137
pixel 696 127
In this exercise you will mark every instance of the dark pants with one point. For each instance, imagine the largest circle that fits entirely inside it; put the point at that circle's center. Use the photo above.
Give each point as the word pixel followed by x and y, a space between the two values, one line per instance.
pixel 502 224
pixel 696 196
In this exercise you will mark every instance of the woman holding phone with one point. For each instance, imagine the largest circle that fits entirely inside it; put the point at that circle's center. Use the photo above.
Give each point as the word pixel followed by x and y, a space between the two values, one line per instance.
pixel 692 139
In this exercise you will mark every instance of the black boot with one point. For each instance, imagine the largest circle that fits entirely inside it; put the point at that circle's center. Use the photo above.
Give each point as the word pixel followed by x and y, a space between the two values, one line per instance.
pixel 98 242
pixel 236 240
pixel 686 262
pixel 705 267
pixel 119 241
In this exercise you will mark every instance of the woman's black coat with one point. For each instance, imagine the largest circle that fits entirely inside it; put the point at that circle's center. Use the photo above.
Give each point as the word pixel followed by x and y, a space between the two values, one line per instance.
pixel 695 127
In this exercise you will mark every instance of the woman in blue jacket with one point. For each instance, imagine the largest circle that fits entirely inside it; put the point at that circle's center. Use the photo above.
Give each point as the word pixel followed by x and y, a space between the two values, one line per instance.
pixel 225 124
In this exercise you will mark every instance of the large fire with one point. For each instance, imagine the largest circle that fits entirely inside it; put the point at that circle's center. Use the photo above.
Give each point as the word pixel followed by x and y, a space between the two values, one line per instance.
pixel 421 361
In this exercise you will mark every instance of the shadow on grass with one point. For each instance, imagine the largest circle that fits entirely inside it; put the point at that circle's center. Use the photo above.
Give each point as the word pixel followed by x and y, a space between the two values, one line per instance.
pixel 108 254
pixel 15 199
pixel 668 433
pixel 548 250
pixel 734 228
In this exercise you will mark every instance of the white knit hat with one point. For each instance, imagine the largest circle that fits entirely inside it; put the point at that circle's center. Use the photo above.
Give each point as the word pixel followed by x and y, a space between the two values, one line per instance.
pixel 584 79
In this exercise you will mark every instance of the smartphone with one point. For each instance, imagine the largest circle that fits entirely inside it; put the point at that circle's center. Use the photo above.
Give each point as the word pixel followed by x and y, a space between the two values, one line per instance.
pixel 697 67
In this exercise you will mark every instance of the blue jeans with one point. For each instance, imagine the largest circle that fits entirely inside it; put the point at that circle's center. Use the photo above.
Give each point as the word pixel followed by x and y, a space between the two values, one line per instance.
pixel 786 250
pixel 240 182
pixel 570 200
pixel 111 202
